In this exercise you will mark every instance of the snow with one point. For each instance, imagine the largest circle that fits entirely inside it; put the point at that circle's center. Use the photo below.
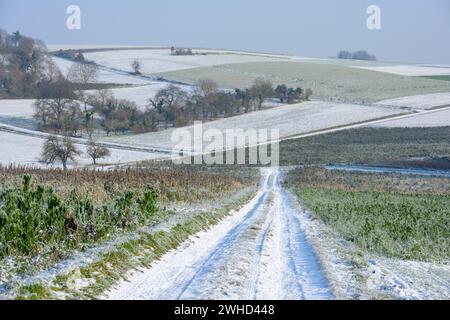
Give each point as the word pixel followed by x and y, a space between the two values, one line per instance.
pixel 22 149
pixel 355 274
pixel 104 75
pixel 18 113
pixel 160 60
pixel 289 119
pixel 19 149
pixel 412 70
pixel 56 47
pixel 232 261
pixel 425 101
pixel 141 94
pixel 410 280
pixel 438 118
pixel 17 108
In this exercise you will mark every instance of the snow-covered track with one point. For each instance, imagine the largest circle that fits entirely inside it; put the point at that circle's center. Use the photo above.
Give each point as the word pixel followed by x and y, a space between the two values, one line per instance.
pixel 258 253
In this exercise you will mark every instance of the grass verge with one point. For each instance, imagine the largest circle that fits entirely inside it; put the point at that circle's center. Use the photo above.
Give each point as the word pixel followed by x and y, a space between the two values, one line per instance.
pixel 92 281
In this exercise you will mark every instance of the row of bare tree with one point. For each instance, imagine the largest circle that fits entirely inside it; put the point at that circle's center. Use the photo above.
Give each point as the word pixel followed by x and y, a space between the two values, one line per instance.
pixel 64 110
pixel 173 106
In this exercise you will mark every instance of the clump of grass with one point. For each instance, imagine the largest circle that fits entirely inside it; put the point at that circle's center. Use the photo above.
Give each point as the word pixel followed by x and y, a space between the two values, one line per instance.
pixel 395 225
pixel 34 292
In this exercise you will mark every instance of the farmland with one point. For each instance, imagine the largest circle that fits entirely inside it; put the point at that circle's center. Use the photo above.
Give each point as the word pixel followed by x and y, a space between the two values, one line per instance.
pixel 289 119
pixel 365 145
pixel 104 75
pixel 133 210
pixel 332 82
pixel 143 93
pixel 159 60
pixel 401 226
pixel 388 220
pixel 17 113
pixel 438 118
pixel 26 150
pixel 412 70
pixel 419 102
pixel 441 78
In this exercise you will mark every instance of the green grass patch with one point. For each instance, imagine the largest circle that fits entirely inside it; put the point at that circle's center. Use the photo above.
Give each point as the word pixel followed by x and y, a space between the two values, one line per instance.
pixel 441 78
pixel 34 292
pixel 395 225
pixel 329 81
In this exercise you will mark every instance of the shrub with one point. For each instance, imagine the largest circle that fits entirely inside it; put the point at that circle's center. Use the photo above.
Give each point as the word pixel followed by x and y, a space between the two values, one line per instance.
pixel 31 218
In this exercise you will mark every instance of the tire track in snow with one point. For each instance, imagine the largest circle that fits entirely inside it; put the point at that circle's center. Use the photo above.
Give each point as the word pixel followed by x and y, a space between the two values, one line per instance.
pixel 308 276
pixel 239 248
pixel 262 253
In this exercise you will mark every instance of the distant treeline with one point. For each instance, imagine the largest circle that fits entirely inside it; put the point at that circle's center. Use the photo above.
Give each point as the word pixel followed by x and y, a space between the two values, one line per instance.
pixel 357 55
pixel 64 110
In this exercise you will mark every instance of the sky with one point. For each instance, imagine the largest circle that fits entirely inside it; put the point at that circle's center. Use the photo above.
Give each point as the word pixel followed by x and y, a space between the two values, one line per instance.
pixel 411 30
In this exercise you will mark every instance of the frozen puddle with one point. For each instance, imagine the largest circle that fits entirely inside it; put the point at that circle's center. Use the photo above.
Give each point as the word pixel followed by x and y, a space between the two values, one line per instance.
pixel 258 253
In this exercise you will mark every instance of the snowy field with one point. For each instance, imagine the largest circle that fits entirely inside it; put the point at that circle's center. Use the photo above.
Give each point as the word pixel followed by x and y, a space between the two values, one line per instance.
pixel 160 60
pixel 289 119
pixel 25 150
pixel 56 47
pixel 141 94
pixel 17 108
pixel 421 102
pixel 438 118
pixel 24 146
pixel 17 113
pixel 104 75
pixel 330 81
pixel 412 70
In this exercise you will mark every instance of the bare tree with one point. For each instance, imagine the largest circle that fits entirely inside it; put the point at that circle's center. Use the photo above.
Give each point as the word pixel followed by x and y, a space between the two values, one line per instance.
pixel 136 65
pixel 206 86
pixel 96 151
pixel 167 101
pixel 72 119
pixel 55 113
pixel 83 73
pixel 261 90
pixel 308 94
pixel 57 149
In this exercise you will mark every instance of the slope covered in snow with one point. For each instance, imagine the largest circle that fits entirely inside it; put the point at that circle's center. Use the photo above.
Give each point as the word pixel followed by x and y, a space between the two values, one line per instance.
pixel 420 102
pixel 289 120
pixel 160 60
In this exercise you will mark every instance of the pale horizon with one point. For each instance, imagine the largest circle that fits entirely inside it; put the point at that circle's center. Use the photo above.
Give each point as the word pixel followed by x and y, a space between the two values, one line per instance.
pixel 412 31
